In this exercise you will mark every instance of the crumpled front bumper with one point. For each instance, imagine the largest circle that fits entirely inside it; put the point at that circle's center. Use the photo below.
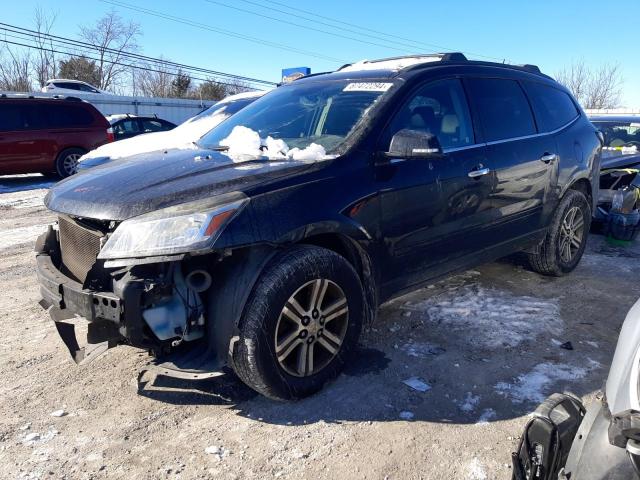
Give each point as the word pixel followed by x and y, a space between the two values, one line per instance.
pixel 110 318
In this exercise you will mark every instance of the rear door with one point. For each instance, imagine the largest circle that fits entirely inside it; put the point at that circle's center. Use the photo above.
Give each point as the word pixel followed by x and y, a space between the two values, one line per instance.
pixel 25 144
pixel 433 210
pixel 524 161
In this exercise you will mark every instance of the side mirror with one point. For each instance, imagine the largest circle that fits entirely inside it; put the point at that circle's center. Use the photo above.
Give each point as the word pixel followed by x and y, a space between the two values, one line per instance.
pixel 414 144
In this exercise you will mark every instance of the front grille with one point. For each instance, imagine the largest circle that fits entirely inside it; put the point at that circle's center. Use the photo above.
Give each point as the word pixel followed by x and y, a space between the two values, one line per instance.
pixel 79 247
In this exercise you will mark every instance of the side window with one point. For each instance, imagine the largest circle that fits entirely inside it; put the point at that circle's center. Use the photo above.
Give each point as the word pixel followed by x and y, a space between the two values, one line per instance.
pixel 152 126
pixel 126 126
pixel 11 117
pixel 553 108
pixel 502 107
pixel 67 116
pixel 439 108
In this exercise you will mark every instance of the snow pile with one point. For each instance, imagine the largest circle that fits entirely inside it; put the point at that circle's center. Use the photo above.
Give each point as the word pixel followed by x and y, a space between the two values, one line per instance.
pixel 393 64
pixel 475 470
pixel 486 415
pixel 491 318
pixel 534 386
pixel 244 143
pixel 470 403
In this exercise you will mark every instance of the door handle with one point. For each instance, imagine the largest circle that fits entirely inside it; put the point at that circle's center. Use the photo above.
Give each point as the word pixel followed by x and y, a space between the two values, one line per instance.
pixel 549 157
pixel 479 172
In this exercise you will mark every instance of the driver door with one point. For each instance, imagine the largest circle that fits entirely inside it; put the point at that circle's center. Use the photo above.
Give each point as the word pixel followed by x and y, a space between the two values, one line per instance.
pixel 435 209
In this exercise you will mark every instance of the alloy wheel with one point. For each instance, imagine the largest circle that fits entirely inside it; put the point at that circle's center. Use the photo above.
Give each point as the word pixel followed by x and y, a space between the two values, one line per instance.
pixel 311 328
pixel 571 234
pixel 70 163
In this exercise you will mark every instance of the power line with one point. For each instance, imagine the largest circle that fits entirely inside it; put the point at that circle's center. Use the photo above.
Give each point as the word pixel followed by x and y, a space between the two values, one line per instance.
pixel 65 41
pixel 230 33
pixel 353 25
pixel 136 67
pixel 306 27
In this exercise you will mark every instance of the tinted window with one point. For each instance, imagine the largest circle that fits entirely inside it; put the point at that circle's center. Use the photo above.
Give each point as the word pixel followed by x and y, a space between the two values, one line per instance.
pixel 553 108
pixel 11 117
pixel 67 85
pixel 126 127
pixel 503 108
pixel 153 125
pixel 65 116
pixel 438 108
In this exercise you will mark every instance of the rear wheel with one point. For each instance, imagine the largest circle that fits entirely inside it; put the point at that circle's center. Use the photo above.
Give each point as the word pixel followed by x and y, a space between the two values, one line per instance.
pixel 300 324
pixel 566 239
pixel 67 162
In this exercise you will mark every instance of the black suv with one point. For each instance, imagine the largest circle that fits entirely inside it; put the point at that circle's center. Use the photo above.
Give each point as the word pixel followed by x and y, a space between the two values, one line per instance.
pixel 271 245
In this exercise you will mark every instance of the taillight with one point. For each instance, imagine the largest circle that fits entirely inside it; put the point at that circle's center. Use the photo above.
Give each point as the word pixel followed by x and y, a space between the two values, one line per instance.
pixel 110 136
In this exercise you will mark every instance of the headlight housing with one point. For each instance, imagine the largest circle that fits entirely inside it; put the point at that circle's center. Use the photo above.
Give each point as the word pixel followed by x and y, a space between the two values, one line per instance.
pixel 184 228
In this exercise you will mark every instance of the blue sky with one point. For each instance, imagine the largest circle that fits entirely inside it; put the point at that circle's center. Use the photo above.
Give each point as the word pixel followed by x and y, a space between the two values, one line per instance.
pixel 548 33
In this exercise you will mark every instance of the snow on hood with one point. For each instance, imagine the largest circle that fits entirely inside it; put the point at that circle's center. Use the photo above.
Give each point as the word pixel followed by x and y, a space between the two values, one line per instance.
pixel 244 143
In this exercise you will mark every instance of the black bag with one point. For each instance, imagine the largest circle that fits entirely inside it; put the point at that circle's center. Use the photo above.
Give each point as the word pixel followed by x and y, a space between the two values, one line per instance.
pixel 547 438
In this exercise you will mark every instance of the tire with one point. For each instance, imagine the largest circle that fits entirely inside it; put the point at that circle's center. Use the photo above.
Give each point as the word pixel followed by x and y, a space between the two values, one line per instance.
pixel 67 162
pixel 551 257
pixel 270 365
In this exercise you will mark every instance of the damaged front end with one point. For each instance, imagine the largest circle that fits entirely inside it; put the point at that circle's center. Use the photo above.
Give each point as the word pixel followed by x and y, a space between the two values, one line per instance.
pixel 92 279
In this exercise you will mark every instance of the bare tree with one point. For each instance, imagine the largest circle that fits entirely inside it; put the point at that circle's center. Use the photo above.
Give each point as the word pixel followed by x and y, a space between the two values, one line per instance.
pixel 593 87
pixel 111 36
pixel 155 82
pixel 15 70
pixel 44 65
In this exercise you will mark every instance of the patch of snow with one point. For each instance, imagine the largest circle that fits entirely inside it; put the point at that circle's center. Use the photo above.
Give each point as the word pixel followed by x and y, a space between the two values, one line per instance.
pixel 421 350
pixel 534 386
pixel 29 200
pixel 219 452
pixel 475 470
pixel 592 344
pixel 19 235
pixel 486 415
pixel 244 144
pixel 555 343
pixel 417 384
pixel 58 413
pixel 469 403
pixel 489 317
pixel 406 415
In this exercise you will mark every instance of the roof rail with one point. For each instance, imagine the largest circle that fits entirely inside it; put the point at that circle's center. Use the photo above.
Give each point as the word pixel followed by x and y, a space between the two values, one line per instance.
pixel 530 68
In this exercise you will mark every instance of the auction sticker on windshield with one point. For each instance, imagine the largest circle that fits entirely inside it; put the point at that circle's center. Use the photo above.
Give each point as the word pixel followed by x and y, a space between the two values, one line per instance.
pixel 368 87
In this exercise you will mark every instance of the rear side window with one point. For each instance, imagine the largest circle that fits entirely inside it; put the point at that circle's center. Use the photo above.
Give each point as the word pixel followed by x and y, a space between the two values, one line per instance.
pixel 502 107
pixel 553 108
pixel 68 116
pixel 153 126
pixel 11 117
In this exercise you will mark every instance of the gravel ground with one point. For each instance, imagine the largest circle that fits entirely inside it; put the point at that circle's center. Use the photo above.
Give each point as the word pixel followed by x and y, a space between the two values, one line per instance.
pixel 440 389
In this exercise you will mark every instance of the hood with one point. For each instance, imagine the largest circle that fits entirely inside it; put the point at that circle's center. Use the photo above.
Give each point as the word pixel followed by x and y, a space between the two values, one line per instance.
pixel 144 183
pixel 623 380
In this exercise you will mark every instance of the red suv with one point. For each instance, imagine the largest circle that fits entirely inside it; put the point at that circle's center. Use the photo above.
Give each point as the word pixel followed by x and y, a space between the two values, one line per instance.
pixel 48 135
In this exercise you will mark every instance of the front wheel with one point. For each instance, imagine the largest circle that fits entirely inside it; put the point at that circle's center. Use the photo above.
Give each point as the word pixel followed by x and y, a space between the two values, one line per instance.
pixel 300 325
pixel 67 162
pixel 566 239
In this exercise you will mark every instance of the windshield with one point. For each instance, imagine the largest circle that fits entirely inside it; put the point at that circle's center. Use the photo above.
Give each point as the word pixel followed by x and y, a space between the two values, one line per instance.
pixel 620 134
pixel 324 113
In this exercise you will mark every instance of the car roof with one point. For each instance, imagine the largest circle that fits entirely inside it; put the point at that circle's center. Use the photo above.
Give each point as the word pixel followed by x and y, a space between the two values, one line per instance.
pixel 408 66
pixel 69 80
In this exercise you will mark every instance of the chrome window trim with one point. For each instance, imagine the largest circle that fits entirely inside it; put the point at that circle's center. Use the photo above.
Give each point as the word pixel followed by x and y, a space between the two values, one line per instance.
pixel 525 137
pixel 466 147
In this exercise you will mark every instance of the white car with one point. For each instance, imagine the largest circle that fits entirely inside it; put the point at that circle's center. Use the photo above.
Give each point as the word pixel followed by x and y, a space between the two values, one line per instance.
pixel 67 87
pixel 182 136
